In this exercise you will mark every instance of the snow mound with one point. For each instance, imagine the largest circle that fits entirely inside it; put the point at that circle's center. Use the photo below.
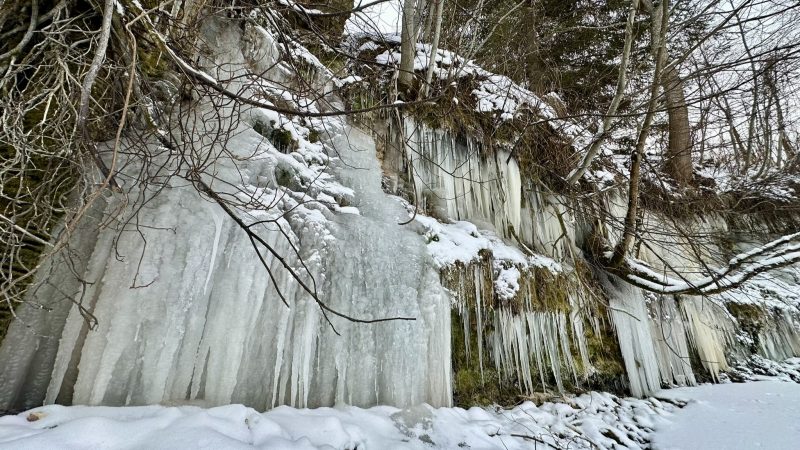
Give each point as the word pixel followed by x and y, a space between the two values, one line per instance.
pixel 495 94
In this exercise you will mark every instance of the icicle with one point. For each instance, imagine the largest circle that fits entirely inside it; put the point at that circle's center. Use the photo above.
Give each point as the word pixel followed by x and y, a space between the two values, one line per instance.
pixel 670 342
pixel 710 330
pixel 453 178
pixel 628 313
pixel 528 340
pixel 580 339
pixel 479 315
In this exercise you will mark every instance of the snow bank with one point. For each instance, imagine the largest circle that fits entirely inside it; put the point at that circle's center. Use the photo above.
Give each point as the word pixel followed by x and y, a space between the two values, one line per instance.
pixel 594 420
pixel 494 94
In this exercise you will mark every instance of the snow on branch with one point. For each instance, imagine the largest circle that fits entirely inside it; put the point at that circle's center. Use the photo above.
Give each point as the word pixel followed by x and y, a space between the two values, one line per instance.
pixel 358 7
pixel 742 267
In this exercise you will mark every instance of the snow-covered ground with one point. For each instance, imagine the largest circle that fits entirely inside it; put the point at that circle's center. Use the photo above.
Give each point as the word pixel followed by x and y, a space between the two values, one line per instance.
pixel 762 414
pixel 593 420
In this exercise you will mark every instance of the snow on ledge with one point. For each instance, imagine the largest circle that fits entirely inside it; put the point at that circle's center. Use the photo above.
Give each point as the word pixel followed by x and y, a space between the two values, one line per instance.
pixel 462 241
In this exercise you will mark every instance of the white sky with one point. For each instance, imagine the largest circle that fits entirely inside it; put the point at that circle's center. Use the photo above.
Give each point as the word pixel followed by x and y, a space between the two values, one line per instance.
pixel 383 18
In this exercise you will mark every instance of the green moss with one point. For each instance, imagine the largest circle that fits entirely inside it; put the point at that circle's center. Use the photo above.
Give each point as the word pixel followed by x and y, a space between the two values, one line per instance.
pixel 282 139
pixel 752 319
pixel 469 387
pixel 153 63
pixel 604 354
pixel 747 312
pixel 361 99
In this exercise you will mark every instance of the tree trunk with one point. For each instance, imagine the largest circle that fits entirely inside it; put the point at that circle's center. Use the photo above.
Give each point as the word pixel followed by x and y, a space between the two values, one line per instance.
pixel 436 13
pixel 408 48
pixel 784 146
pixel 658 49
pixel 678 158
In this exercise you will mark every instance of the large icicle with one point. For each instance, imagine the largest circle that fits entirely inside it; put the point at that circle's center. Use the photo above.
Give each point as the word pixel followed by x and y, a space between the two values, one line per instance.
pixel 711 330
pixel 629 315
pixel 670 342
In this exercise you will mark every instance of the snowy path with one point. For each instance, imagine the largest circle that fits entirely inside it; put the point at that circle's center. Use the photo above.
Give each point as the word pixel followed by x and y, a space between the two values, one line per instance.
pixel 760 415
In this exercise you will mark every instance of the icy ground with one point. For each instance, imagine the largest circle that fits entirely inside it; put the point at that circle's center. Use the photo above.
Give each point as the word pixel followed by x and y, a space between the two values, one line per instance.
pixel 762 414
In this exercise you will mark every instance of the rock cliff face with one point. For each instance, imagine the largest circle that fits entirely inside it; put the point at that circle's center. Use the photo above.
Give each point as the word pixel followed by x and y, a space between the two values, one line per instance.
pixel 168 302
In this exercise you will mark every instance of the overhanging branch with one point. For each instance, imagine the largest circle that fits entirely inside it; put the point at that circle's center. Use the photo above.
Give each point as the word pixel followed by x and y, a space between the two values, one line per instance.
pixel 781 252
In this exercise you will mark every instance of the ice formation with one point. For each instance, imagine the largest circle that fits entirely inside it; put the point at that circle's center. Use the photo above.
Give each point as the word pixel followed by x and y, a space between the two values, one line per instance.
pixel 629 313
pixel 454 179
pixel 493 212
pixel 185 312
pixel 710 329
pixel 670 341
pixel 203 321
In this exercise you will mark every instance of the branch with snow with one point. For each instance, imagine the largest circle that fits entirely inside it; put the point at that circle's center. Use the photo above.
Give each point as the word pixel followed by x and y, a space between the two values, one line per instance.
pixel 775 254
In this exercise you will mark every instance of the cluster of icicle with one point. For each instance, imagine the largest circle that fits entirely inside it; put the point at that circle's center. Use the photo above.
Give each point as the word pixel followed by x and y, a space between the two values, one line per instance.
pixel 656 337
pixel 456 178
pixel 531 346
pixel 781 340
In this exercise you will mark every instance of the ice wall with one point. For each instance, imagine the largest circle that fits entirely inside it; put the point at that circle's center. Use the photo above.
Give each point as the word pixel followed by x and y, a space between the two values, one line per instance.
pixel 170 304
pixel 186 313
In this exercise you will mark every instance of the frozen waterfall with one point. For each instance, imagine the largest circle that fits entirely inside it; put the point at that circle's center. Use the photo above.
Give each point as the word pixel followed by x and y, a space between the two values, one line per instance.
pixel 185 313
